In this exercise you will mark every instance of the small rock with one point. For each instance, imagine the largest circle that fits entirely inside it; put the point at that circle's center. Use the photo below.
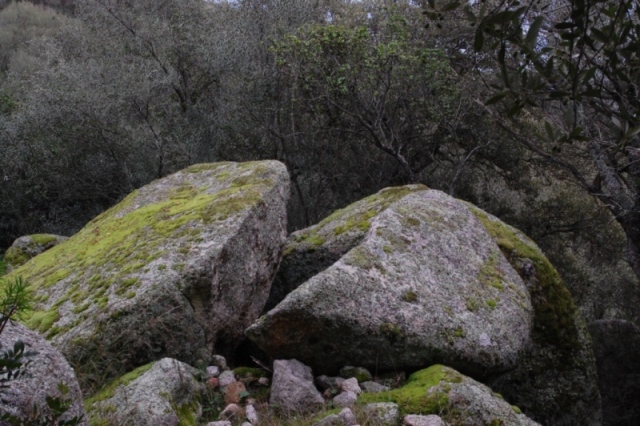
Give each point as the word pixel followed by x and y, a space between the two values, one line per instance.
pixel 351 385
pixel 251 414
pixel 345 399
pixel 430 420
pixel 233 392
pixel 384 413
pixel 348 417
pixel 226 378
pixel 220 362
pixel 374 387
pixel 330 420
pixel 246 424
pixel 293 388
pixel 264 381
pixel 360 373
pixel 231 411
pixel 213 371
pixel 213 383
pixel 221 423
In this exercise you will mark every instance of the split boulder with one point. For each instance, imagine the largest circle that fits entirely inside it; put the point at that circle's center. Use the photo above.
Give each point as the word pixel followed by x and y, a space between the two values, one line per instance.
pixel 413 278
pixel 178 268
pixel 409 277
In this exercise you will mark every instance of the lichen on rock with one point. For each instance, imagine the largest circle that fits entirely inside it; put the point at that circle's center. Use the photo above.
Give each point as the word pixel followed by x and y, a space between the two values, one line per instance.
pixel 45 372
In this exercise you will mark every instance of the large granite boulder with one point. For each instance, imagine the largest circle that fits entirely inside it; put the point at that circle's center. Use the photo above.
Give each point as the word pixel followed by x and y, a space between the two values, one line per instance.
pixel 410 277
pixel 419 281
pixel 616 344
pixel 162 393
pixel 458 399
pixel 28 246
pixel 178 268
pixel 45 373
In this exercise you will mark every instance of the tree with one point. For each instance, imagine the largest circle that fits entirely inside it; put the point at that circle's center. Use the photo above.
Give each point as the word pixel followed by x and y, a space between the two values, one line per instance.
pixel 572 65
pixel 125 93
pixel 379 89
pixel 20 23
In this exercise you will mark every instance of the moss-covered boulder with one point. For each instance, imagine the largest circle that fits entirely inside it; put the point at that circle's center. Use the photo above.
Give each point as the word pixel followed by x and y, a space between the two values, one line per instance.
pixel 178 268
pixel 405 278
pixel 555 381
pixel 28 246
pixel 458 399
pixel 162 393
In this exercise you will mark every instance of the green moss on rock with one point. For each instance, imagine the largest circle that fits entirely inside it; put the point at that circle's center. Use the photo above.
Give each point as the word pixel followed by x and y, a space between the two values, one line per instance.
pixel 43 320
pixel 409 296
pixel 355 218
pixel 555 311
pixel 123 240
pixel 414 397
pixel 187 413
pixel 109 390
pixel 15 256
pixel 43 239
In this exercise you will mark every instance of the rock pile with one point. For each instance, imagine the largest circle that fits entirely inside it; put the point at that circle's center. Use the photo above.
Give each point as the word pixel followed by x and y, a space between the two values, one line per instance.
pixel 407 280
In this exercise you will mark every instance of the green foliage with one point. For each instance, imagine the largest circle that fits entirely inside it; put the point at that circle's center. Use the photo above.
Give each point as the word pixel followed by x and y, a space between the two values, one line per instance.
pixel 584 50
pixel 384 89
pixel 15 300
pixel 575 68
pixel 13 364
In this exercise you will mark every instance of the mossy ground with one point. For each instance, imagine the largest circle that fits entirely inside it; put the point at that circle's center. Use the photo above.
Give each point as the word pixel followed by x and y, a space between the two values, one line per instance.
pixel 414 397
pixel 187 413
